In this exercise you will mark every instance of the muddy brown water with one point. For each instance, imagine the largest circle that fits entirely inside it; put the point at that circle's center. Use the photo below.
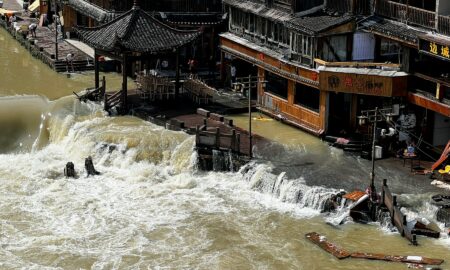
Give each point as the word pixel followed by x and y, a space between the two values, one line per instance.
pixel 150 208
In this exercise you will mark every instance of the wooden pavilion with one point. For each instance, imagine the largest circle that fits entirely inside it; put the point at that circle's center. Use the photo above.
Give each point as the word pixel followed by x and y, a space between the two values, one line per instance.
pixel 133 36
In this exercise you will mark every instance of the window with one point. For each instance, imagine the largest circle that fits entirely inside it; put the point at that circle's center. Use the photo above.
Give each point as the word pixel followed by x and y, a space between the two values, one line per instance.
pixel 389 47
pixel 446 92
pixel 270 26
pixel 251 26
pixel 307 97
pixel 302 48
pixel 276 85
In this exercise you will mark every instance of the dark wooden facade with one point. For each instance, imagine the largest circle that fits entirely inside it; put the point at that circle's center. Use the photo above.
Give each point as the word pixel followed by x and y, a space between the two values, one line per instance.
pixel 285 45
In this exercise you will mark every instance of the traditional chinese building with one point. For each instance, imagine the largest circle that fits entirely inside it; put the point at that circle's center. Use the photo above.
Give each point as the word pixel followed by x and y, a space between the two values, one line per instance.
pixel 416 35
pixel 320 63
pixel 281 40
pixel 179 14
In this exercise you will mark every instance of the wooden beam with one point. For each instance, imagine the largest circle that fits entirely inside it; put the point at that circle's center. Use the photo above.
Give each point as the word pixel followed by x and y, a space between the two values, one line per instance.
pixel 432 79
pixel 354 64
pixel 429 104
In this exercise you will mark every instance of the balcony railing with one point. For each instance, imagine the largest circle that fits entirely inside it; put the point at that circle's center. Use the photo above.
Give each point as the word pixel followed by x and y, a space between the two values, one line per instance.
pixel 406 13
pixel 344 6
pixel 444 25
pixel 339 5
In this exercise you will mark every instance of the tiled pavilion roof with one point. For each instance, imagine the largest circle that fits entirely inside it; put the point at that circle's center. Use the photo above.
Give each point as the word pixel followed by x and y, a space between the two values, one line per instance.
pixel 97 13
pixel 136 31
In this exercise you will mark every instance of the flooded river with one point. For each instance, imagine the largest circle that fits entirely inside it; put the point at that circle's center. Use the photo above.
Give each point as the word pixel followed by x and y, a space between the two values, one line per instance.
pixel 150 208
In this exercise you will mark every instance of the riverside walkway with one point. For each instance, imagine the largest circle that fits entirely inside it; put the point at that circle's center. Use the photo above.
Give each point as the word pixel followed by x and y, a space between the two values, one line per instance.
pixel 43 45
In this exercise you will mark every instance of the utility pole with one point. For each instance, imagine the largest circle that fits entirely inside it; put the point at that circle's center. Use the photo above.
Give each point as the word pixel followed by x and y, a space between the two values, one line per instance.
pixel 372 174
pixel 249 94
pixel 56 31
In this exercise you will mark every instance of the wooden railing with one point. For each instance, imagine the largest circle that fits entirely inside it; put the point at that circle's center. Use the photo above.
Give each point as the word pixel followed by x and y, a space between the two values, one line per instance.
pixel 198 91
pixel 218 140
pixel 444 25
pixel 344 6
pixel 406 13
pixel 304 117
pixel 398 218
pixel 112 100
pixel 422 17
pixel 93 94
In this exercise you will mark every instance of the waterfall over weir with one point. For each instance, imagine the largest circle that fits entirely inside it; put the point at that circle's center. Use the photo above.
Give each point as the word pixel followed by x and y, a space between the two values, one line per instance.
pixel 293 191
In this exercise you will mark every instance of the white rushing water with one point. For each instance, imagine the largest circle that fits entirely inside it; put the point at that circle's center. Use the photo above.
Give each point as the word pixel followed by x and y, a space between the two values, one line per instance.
pixel 149 208
pixel 148 189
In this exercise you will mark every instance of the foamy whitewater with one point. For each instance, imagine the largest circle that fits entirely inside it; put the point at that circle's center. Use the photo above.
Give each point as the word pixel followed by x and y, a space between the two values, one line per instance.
pixel 150 208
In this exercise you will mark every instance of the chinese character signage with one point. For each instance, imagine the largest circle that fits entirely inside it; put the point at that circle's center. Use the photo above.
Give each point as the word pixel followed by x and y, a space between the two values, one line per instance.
pixel 434 48
pixel 373 85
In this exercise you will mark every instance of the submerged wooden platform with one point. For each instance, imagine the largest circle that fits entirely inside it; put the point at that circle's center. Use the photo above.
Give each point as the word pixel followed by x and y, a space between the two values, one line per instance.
pixel 341 253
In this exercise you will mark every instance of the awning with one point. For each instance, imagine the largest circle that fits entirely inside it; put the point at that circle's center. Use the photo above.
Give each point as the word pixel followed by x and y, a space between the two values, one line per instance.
pixel 34 6
pixel 8 12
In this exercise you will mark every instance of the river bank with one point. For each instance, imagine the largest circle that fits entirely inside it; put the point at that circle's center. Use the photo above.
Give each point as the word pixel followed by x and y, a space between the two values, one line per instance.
pixel 42 46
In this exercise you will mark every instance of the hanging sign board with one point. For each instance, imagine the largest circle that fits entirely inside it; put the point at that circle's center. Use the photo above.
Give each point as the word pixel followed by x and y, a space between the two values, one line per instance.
pixel 362 84
pixel 434 48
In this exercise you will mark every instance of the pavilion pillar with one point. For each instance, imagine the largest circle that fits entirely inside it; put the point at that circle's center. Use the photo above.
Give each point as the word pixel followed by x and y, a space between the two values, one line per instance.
pixel 124 83
pixel 96 66
pixel 177 74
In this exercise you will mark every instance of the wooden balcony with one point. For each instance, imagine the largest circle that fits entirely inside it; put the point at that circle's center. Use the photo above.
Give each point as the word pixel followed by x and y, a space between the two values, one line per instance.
pixel 444 25
pixel 406 13
pixel 343 6
pixel 428 92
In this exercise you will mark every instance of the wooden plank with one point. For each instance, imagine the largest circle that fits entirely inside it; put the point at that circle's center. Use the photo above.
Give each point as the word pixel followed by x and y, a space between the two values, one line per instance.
pixel 355 195
pixel 392 258
pixel 329 247
pixel 354 64
pixel 430 104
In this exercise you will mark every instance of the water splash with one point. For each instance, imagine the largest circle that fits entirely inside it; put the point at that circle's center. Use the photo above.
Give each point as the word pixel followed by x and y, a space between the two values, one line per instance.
pixel 294 191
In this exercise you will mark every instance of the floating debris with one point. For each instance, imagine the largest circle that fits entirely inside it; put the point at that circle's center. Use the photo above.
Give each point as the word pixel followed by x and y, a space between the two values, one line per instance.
pixel 329 247
pixel 341 253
